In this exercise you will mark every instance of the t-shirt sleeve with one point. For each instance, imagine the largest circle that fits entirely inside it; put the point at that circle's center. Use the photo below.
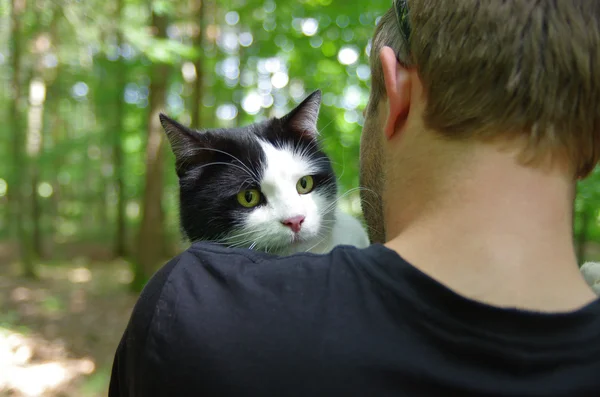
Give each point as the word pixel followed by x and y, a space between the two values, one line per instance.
pixel 128 371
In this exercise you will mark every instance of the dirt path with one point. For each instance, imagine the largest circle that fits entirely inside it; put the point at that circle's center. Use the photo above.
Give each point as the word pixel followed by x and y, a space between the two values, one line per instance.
pixel 58 334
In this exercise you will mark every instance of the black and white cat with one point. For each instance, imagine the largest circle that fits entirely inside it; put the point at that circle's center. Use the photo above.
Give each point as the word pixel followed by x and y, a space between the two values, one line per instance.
pixel 267 186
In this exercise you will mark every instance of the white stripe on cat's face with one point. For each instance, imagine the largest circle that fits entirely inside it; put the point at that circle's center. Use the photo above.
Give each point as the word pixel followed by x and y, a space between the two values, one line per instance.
pixel 283 169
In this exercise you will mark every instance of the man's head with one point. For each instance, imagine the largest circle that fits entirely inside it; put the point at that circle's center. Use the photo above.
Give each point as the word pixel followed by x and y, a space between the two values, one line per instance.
pixel 519 76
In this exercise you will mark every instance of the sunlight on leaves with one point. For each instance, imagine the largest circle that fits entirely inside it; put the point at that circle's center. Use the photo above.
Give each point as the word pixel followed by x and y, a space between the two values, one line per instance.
pixel 80 275
pixel 20 373
pixel 45 190
pixel 53 304
pixel 3 187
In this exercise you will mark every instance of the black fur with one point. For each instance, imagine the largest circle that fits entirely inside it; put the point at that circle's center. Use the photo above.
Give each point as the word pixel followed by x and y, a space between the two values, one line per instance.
pixel 207 192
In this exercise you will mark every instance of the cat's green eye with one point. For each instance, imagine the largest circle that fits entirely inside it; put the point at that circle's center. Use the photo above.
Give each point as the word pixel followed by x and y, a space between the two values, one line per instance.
pixel 249 198
pixel 305 184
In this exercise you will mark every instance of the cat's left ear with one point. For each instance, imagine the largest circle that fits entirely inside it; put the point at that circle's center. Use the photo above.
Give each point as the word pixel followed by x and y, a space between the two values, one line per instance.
pixel 303 118
pixel 185 143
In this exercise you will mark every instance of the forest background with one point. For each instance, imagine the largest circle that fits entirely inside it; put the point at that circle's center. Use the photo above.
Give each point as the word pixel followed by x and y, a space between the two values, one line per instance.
pixel 88 192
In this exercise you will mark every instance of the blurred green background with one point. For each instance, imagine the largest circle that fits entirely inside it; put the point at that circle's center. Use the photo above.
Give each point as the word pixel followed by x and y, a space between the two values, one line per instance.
pixel 88 192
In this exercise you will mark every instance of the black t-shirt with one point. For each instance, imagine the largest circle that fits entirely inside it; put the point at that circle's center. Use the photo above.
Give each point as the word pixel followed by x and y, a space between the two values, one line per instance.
pixel 228 322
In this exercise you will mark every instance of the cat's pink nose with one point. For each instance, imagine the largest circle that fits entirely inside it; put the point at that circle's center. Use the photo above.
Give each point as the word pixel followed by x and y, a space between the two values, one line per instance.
pixel 294 223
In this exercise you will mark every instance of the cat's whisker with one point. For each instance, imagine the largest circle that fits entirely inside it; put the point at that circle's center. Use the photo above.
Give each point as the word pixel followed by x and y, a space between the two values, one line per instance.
pixel 253 174
pixel 236 236
pixel 327 222
pixel 343 165
pixel 251 243
pixel 319 239
pixel 334 203
pixel 236 240
pixel 312 145
pixel 319 161
pixel 371 228
pixel 365 189
pixel 240 243
pixel 246 182
pixel 369 204
pixel 326 125
pixel 231 164
pixel 246 243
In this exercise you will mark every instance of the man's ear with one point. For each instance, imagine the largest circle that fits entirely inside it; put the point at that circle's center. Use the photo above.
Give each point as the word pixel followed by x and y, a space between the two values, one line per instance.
pixel 397 86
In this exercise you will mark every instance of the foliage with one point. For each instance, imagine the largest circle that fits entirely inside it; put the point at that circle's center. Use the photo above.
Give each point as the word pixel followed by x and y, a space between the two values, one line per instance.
pixel 94 60
pixel 587 207
pixel 273 52
pixel 266 52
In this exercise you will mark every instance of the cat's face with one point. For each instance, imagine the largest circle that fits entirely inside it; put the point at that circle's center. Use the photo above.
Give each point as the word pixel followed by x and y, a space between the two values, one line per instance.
pixel 267 186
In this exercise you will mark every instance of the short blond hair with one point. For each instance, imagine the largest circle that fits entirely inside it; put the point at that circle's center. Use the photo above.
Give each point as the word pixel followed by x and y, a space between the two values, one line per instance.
pixel 492 70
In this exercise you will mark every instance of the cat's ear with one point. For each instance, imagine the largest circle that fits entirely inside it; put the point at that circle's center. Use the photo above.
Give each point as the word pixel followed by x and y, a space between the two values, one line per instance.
pixel 186 144
pixel 303 118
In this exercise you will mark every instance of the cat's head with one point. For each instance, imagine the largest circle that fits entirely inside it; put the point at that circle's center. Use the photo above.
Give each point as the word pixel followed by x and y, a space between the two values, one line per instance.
pixel 266 186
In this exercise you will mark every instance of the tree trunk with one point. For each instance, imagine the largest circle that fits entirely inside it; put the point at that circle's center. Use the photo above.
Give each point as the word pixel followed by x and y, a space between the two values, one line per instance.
pixel 35 141
pixel 151 244
pixel 36 215
pixel 15 115
pixel 55 127
pixel 238 117
pixel 198 7
pixel 117 144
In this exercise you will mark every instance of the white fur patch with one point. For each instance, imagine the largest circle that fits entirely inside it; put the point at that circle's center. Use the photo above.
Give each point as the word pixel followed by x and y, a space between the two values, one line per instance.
pixel 283 170
pixel 324 226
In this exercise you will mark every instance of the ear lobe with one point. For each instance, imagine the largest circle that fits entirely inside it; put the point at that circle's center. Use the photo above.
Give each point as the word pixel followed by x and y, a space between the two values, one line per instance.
pixel 186 144
pixel 303 118
pixel 397 86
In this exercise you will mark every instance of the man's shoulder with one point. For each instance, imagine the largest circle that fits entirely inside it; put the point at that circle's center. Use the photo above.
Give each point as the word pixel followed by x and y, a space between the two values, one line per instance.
pixel 226 286
pixel 228 259
pixel 208 260
pixel 212 271
pixel 209 300
pixel 208 293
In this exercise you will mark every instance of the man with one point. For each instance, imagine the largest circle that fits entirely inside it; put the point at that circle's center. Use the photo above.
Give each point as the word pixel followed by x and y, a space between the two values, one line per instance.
pixel 482 116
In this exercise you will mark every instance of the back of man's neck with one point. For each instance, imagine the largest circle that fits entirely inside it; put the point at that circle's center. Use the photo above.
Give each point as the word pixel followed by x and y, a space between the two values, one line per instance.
pixel 510 276
pixel 501 245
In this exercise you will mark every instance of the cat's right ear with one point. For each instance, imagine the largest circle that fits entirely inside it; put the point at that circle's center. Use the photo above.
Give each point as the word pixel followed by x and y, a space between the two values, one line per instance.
pixel 303 119
pixel 186 144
